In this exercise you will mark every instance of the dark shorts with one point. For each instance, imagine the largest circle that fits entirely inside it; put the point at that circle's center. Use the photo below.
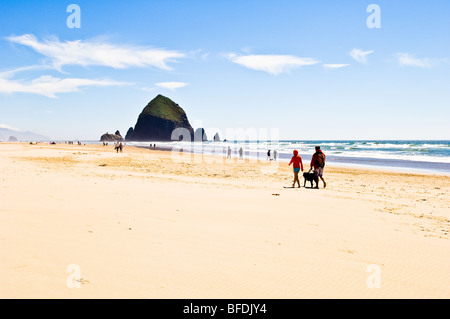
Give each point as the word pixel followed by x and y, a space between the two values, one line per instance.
pixel 296 170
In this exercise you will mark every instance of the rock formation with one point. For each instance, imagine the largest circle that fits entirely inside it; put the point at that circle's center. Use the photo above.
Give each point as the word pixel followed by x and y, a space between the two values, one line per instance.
pixel 12 139
pixel 111 137
pixel 200 135
pixel 129 133
pixel 158 120
pixel 217 137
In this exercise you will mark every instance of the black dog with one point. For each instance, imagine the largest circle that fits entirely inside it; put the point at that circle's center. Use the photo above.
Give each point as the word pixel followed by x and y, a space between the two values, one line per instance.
pixel 309 176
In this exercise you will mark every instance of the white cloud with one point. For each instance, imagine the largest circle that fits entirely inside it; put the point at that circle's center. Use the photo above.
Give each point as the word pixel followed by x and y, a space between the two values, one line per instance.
pixel 10 73
pixel 88 53
pixel 360 56
pixel 171 85
pixel 50 86
pixel 334 66
pixel 9 128
pixel 273 64
pixel 406 59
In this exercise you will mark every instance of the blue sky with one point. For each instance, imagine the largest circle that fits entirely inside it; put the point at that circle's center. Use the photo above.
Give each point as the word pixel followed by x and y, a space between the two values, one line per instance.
pixel 312 69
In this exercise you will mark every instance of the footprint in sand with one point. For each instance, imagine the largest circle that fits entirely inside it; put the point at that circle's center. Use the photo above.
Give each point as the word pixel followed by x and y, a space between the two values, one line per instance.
pixel 82 281
pixel 348 251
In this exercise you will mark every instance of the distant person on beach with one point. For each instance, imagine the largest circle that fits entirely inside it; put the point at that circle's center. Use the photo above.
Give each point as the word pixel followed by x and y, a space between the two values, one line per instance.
pixel 275 153
pixel 298 164
pixel 154 146
pixel 121 147
pixel 116 147
pixel 241 153
pixel 229 152
pixel 318 163
pixel 268 155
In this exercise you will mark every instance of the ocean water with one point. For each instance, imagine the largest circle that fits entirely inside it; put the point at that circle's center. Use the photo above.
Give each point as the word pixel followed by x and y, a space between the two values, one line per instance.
pixel 430 156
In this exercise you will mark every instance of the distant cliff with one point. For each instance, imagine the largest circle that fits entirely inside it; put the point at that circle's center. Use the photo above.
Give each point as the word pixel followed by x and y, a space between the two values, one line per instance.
pixel 158 120
pixel 21 135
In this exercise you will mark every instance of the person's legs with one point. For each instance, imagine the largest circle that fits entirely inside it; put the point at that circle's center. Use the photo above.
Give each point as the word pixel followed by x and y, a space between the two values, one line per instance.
pixel 321 177
pixel 296 179
pixel 316 176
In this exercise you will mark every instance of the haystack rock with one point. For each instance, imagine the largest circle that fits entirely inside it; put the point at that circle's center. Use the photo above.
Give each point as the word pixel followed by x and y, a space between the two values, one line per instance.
pixel 217 137
pixel 12 139
pixel 200 135
pixel 158 120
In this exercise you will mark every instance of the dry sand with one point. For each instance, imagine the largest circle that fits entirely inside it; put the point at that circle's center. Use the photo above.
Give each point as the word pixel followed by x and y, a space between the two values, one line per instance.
pixel 143 225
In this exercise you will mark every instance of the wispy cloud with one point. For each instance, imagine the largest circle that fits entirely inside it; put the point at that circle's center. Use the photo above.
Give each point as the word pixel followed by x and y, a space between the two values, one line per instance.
pixel 172 85
pixel 10 73
pixel 87 53
pixel 10 128
pixel 198 55
pixel 335 66
pixel 360 56
pixel 50 86
pixel 406 59
pixel 273 64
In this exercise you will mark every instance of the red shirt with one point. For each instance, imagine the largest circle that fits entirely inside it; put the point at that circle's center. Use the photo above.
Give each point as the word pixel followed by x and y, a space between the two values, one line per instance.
pixel 297 160
pixel 314 158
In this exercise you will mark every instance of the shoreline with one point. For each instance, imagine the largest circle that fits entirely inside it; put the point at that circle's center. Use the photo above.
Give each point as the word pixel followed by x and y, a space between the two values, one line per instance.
pixel 352 162
pixel 306 159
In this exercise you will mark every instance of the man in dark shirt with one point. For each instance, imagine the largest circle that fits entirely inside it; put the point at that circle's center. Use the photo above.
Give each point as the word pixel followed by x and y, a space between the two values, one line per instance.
pixel 318 163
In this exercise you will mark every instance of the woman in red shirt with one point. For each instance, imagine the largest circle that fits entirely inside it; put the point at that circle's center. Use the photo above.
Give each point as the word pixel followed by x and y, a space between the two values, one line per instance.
pixel 298 164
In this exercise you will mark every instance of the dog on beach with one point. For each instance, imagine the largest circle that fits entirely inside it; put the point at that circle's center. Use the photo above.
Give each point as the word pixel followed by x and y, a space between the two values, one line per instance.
pixel 308 176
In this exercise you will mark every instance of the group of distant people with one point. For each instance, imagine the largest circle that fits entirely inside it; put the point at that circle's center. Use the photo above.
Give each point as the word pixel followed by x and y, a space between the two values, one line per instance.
pixel 153 146
pixel 317 163
pixel 241 153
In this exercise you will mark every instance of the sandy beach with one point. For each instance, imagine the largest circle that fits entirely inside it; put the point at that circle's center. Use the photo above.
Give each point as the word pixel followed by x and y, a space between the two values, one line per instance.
pixel 86 222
